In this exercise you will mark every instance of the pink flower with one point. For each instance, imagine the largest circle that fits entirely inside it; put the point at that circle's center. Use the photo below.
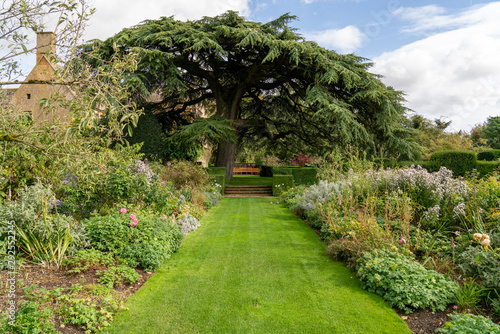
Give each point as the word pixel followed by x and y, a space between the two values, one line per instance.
pixel 402 240
pixel 132 216
pixel 123 210
pixel 453 245
pixel 455 307
pixel 175 212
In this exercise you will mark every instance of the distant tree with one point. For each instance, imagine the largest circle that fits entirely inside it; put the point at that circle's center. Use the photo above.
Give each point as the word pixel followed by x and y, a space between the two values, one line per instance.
pixel 491 132
pixel 432 136
pixel 262 78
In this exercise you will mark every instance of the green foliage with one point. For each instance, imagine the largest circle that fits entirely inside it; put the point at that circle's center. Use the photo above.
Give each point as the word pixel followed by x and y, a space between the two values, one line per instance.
pixel 117 275
pixel 460 162
pixel 149 133
pixel 92 312
pixel 216 170
pixel 301 175
pixel 484 168
pixel 478 263
pixel 86 259
pixel 306 82
pixel 210 130
pixel 219 181
pixel 489 155
pixel 185 174
pixel 491 132
pixel 30 319
pixel 469 323
pixel 146 243
pixel 281 183
pixel 469 296
pixel 405 284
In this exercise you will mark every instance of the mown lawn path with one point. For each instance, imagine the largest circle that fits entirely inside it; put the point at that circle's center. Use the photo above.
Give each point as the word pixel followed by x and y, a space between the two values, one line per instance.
pixel 253 267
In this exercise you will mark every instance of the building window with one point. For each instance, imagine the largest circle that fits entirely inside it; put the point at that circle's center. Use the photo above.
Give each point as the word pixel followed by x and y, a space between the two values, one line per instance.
pixel 28 96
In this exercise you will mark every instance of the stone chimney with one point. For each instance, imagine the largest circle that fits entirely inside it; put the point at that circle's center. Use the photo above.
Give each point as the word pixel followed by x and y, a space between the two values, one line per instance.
pixel 45 42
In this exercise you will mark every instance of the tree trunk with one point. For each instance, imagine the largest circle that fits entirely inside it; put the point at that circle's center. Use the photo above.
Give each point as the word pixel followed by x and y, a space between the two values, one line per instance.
pixel 225 157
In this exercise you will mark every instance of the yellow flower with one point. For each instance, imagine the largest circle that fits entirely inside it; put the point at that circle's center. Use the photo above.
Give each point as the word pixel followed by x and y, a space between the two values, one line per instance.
pixel 485 236
pixel 485 242
pixel 477 236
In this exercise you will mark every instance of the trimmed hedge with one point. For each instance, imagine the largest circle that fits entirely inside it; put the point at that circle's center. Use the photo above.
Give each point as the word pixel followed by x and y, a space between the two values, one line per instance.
pixel 460 162
pixel 149 133
pixel 489 155
pixel 486 167
pixel 301 175
pixel 216 170
pixel 266 171
pixel 281 183
pixel 220 179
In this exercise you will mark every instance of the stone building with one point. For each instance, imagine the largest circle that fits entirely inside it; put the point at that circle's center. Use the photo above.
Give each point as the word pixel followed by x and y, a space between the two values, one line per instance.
pixel 42 83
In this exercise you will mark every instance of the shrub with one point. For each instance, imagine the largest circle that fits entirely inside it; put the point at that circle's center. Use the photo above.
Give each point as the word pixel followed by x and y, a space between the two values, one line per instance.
pixel 216 170
pixel 469 323
pixel 188 223
pixel 485 265
pixel 266 171
pixel 30 320
pixel 185 174
pixel 484 168
pixel 117 275
pixel 281 183
pixel 404 283
pixel 489 155
pixel 320 192
pixel 218 181
pixel 460 162
pixel 142 239
pixel 149 133
pixel 301 175
pixel 301 160
pixel 86 259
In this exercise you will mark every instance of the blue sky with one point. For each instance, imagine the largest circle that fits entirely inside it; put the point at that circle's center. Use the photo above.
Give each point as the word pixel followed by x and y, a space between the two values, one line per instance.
pixel 443 54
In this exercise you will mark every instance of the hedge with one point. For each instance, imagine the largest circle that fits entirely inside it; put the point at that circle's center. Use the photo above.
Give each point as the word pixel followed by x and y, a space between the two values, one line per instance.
pixel 281 183
pixel 266 171
pixel 460 162
pixel 301 175
pixel 490 155
pixel 216 170
pixel 486 167
pixel 220 179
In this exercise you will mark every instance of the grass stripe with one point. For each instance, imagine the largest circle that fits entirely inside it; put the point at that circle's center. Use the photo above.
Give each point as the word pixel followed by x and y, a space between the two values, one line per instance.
pixel 254 267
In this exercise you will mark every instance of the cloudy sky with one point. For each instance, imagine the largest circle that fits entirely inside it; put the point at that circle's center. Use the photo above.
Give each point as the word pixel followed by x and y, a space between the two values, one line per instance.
pixel 443 54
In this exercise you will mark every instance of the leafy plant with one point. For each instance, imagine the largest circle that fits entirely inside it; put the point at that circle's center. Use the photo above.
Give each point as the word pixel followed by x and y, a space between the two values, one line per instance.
pixel 30 319
pixel 116 275
pixel 188 223
pixel 469 296
pixel 142 239
pixel 469 323
pixel 85 259
pixel 405 284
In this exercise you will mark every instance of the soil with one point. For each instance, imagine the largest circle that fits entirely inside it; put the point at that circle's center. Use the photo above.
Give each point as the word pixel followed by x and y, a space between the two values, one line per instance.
pixel 50 278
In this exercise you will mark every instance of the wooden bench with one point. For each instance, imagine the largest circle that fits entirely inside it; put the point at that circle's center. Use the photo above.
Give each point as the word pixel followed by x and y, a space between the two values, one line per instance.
pixel 246 171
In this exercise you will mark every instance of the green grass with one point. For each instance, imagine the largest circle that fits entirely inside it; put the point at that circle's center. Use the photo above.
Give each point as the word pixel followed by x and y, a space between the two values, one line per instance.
pixel 249 180
pixel 253 267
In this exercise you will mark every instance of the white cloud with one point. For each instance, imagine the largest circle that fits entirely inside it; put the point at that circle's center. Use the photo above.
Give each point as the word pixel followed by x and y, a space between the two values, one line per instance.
pixel 455 73
pixel 428 19
pixel 113 15
pixel 344 40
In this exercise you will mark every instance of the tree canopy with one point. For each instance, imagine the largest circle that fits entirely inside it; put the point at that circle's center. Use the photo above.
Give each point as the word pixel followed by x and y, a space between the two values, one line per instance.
pixel 266 80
